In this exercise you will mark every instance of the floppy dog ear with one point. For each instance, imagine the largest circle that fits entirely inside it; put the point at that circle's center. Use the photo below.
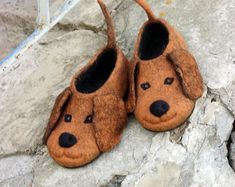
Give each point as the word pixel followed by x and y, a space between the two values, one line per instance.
pixel 187 70
pixel 109 120
pixel 130 102
pixel 57 110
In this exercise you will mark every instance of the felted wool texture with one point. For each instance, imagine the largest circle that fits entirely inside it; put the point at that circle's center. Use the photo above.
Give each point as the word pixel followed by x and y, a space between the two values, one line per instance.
pixel 89 116
pixel 162 69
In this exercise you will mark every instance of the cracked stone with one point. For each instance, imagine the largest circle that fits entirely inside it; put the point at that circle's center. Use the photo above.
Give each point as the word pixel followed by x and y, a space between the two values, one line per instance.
pixel 231 148
pixel 16 171
pixel 116 181
pixel 227 95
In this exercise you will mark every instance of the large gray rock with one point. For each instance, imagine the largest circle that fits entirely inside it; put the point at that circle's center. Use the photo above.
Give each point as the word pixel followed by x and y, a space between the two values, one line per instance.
pixel 18 20
pixel 193 155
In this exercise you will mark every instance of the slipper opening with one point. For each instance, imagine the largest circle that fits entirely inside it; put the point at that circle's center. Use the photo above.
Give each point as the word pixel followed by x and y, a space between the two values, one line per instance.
pixel 154 40
pixel 98 73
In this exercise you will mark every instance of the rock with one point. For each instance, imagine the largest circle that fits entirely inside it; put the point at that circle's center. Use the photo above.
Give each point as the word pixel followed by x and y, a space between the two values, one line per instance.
pixel 17 21
pixel 193 155
pixel 231 155
pixel 198 160
pixel 16 171
pixel 227 95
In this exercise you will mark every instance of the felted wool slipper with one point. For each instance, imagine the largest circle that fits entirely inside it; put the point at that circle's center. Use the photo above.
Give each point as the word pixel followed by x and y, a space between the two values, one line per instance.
pixel 164 80
pixel 89 116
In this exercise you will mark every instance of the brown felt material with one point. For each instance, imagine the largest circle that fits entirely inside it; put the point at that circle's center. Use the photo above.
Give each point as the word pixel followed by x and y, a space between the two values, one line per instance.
pixel 186 67
pixel 164 78
pixel 89 116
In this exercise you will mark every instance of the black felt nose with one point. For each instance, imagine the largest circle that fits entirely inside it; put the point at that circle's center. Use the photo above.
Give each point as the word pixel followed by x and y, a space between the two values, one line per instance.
pixel 67 140
pixel 158 108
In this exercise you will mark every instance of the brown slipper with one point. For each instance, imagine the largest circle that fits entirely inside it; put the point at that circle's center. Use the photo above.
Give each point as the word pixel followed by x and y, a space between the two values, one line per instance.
pixel 88 117
pixel 164 80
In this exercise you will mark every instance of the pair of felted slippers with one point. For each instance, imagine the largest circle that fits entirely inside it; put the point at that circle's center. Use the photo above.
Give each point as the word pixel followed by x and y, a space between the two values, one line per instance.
pixel 160 86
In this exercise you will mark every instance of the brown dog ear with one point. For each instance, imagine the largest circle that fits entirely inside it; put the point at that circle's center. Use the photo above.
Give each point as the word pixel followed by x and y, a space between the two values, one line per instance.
pixel 130 102
pixel 57 110
pixel 109 120
pixel 187 70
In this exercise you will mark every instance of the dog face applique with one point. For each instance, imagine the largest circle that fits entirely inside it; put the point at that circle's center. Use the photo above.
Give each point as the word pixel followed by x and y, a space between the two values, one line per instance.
pixel 80 129
pixel 73 139
pixel 161 102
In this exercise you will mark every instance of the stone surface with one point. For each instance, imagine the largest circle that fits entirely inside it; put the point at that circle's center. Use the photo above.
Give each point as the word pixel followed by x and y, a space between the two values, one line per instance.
pixel 196 154
pixel 198 160
pixel 227 95
pixel 17 20
pixel 85 14
pixel 16 171
pixel 232 150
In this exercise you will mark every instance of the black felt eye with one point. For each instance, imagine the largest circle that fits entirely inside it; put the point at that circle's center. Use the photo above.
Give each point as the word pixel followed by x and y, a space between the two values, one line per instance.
pixel 145 86
pixel 67 118
pixel 169 80
pixel 88 119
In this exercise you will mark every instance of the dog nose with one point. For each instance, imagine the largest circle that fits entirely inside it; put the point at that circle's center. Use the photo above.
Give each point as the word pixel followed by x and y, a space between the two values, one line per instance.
pixel 67 140
pixel 158 108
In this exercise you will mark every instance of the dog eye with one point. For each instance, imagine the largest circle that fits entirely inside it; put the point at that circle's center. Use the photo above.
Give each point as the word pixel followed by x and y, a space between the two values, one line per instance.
pixel 169 80
pixel 89 119
pixel 67 118
pixel 145 86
